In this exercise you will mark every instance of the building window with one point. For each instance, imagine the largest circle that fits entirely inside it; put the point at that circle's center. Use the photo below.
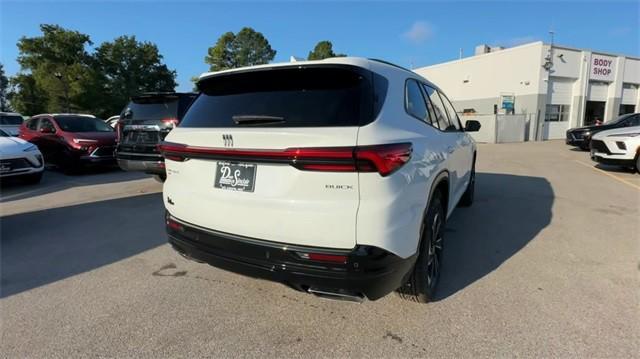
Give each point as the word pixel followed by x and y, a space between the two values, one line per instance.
pixel 557 113
pixel 625 109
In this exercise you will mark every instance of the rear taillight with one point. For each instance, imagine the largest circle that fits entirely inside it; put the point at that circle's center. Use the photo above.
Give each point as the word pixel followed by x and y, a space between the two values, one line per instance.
pixel 171 121
pixel 384 159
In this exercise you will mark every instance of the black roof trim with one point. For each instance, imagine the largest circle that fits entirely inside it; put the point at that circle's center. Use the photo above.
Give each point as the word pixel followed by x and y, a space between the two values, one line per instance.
pixel 390 64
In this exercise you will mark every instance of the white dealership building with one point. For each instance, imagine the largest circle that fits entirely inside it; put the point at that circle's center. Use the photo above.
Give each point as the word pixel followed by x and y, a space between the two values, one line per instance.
pixel 555 87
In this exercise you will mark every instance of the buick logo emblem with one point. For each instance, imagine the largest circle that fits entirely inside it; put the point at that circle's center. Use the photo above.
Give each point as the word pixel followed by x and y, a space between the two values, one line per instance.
pixel 228 140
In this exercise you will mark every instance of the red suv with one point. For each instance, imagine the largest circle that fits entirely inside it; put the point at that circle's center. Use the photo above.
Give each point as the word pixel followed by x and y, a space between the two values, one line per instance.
pixel 70 140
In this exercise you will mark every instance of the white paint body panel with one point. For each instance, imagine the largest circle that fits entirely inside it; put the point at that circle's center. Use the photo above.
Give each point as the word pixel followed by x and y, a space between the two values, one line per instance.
pixel 287 205
pixel 14 147
pixel 294 207
pixel 628 135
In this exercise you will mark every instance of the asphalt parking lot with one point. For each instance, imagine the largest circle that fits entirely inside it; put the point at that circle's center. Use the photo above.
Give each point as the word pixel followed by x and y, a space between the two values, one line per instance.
pixel 545 264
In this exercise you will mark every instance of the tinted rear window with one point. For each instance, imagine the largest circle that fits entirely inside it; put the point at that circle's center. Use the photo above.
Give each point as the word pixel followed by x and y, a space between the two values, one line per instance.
pixel 151 109
pixel 10 120
pixel 287 97
pixel 82 124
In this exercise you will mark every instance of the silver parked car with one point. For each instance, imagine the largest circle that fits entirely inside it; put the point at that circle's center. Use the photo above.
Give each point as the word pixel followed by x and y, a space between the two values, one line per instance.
pixel 10 122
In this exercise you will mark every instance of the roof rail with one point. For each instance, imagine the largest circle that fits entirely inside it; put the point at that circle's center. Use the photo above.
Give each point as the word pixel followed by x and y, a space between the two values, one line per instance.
pixel 390 64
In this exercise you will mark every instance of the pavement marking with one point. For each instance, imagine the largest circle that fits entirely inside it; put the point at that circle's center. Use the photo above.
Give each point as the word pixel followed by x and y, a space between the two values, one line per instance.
pixel 610 175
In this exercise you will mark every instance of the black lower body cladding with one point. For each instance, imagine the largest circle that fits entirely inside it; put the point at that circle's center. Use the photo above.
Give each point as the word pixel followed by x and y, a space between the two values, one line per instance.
pixel 365 271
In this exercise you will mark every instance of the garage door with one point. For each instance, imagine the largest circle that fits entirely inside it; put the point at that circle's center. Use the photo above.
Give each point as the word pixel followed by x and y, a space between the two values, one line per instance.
pixel 598 91
pixel 561 90
pixel 629 94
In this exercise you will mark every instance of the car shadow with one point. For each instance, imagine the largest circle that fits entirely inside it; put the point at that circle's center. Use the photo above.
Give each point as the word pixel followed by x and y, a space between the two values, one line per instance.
pixel 38 248
pixel 617 169
pixel 53 180
pixel 509 211
pixel 578 149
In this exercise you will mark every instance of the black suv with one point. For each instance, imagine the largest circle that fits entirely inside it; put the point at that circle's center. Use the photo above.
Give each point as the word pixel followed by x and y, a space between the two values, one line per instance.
pixel 581 136
pixel 144 122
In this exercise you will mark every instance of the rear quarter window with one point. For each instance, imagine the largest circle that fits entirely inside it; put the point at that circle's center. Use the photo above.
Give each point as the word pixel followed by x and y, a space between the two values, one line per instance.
pixel 286 97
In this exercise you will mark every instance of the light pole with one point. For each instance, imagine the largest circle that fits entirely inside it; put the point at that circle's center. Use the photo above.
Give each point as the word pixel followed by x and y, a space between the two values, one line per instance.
pixel 65 87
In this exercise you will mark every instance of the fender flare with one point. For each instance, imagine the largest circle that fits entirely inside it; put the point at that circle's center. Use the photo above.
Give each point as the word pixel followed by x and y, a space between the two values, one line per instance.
pixel 442 176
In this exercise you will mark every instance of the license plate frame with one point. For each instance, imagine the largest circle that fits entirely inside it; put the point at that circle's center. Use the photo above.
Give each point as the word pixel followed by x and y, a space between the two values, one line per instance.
pixel 235 176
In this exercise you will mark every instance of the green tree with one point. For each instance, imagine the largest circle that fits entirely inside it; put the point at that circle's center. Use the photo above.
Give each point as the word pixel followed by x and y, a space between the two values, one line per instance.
pixel 58 65
pixel 246 48
pixel 323 50
pixel 126 67
pixel 4 86
pixel 25 95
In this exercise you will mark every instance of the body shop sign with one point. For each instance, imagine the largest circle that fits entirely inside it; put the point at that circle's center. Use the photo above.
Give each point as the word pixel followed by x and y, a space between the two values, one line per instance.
pixel 602 68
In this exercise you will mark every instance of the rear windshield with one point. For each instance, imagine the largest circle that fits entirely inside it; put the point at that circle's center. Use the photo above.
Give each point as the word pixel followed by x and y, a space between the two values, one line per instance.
pixel 157 108
pixel 82 124
pixel 10 120
pixel 151 109
pixel 288 97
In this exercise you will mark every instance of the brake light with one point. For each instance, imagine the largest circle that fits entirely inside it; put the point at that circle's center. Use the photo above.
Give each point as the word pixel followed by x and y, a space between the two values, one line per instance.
pixel 384 159
pixel 170 121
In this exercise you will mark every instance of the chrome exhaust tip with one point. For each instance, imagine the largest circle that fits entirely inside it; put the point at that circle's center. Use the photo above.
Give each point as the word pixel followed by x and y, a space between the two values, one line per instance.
pixel 336 295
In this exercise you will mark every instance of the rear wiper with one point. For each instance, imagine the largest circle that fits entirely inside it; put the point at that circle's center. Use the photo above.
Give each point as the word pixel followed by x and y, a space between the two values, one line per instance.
pixel 249 120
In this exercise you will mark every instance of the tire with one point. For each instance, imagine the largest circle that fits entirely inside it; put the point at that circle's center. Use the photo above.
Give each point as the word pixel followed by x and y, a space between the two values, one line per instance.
pixel 467 198
pixel 423 280
pixel 638 163
pixel 33 178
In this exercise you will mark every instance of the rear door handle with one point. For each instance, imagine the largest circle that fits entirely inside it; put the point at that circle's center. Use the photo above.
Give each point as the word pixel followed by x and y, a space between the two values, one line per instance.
pixel 450 149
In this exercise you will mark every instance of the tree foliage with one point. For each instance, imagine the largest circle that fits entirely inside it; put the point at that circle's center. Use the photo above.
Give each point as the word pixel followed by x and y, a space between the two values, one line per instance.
pixel 246 48
pixel 126 67
pixel 26 97
pixel 57 64
pixel 323 50
pixel 58 74
pixel 4 86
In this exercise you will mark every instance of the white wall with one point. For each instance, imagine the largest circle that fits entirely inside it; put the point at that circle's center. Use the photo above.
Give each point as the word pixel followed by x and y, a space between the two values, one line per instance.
pixel 487 133
pixel 511 128
pixel 477 82
pixel 567 65
pixel 515 70
pixel 632 71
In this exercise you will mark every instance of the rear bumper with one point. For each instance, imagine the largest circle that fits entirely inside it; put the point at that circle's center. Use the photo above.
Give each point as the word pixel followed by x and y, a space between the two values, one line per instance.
pixel 367 271
pixel 153 166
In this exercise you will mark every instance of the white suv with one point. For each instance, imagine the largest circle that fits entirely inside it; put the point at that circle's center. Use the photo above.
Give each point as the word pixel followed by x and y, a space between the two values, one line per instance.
pixel 335 177
pixel 618 147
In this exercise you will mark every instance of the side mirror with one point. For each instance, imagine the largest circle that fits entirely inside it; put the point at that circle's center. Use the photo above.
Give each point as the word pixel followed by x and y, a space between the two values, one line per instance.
pixel 46 130
pixel 472 126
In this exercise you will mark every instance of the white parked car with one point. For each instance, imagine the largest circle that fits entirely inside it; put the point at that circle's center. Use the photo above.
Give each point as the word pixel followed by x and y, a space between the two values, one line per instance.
pixel 113 121
pixel 335 177
pixel 20 158
pixel 10 122
pixel 620 147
